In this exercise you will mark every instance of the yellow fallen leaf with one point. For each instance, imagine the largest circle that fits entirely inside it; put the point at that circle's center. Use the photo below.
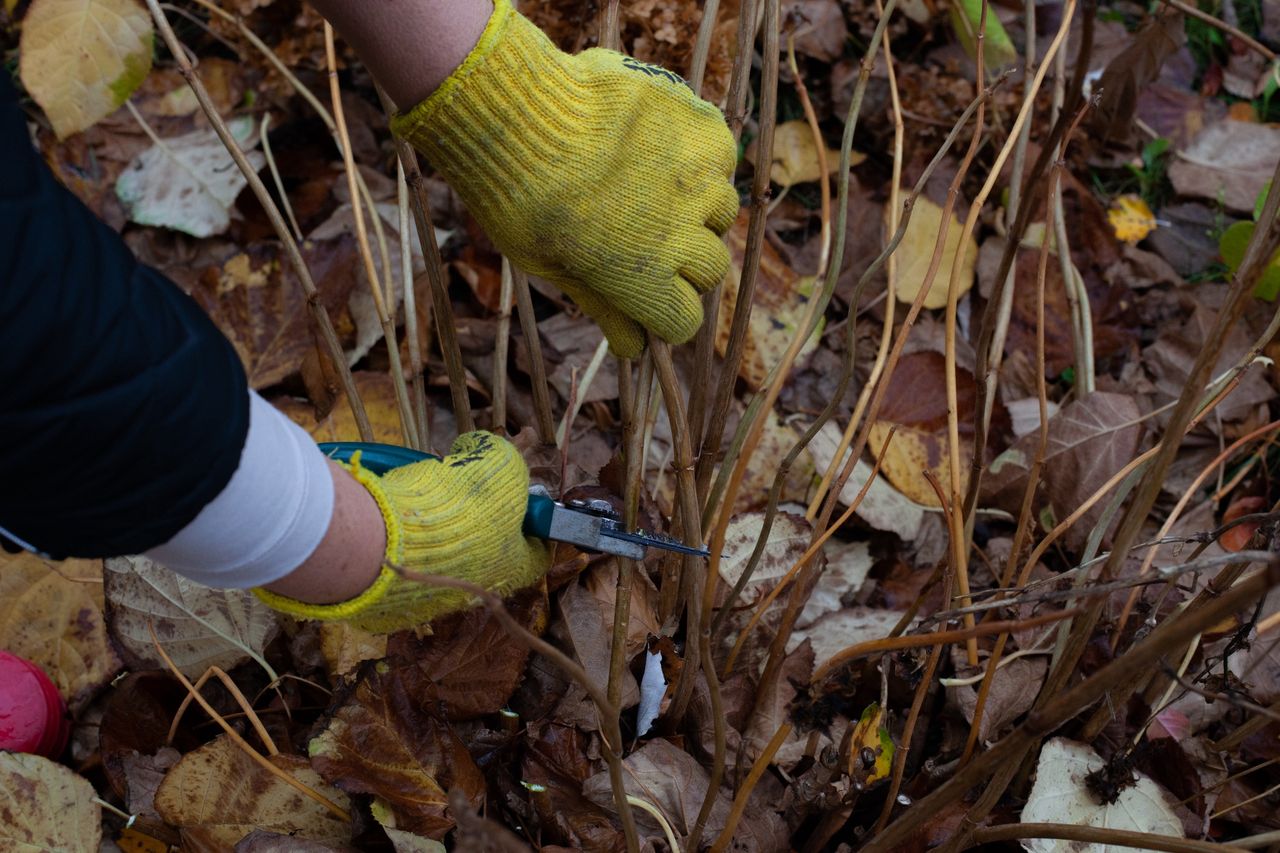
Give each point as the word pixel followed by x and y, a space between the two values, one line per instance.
pixel 911 453
pixel 916 250
pixel 1131 218
pixel 795 156
pixel 82 59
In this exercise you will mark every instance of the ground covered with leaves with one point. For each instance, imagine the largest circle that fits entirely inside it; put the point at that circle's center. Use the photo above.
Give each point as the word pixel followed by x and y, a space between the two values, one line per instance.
pixel 992 516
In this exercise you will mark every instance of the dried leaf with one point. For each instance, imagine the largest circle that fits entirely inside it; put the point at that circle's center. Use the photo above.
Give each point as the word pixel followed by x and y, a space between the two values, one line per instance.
pixel 916 403
pixel 795 155
pixel 344 647
pixel 189 183
pixel 45 806
pixel 1062 795
pixel 778 305
pixel 379 396
pixel 847 566
pixel 199 627
pixel 81 59
pixel 915 253
pixel 381 740
pixel 1013 691
pixel 1132 70
pixel 788 539
pixel 469 666
pixel 820 28
pixel 217 795
pixel 1229 162
pixel 256 301
pixel 883 507
pixel 1089 441
pixel 670 779
pixel 51 614
pixel 848 627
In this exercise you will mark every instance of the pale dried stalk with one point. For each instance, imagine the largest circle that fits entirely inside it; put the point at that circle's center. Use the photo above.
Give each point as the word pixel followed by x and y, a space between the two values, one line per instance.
pixel 236 694
pixel 501 342
pixel 739 806
pixel 961 547
pixel 271 165
pixel 537 365
pixel 407 428
pixel 323 324
pixel 411 332
pixel 583 385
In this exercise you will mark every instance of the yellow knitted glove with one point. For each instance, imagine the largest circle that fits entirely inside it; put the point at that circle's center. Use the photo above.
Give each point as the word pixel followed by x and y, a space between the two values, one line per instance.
pixel 605 176
pixel 459 516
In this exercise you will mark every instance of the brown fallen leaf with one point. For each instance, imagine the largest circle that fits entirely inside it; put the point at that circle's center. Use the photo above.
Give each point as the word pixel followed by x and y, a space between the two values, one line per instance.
pixel 381 739
pixel 217 795
pixel 51 614
pixel 1230 161
pixel 916 404
pixel 199 627
pixel 469 666
pixel 795 156
pixel 1089 440
pixel 556 759
pixel 673 781
pixel 45 806
pixel 1131 70
pixel 1013 690
pixel 258 304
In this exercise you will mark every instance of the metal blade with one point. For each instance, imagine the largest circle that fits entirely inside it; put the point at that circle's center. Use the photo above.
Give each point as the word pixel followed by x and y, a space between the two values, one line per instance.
pixel 655 540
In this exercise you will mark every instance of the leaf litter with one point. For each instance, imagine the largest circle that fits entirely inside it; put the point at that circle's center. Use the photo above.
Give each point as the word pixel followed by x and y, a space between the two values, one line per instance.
pixel 457 733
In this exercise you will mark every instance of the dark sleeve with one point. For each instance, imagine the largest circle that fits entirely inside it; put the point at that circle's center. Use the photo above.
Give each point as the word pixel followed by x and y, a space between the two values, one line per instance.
pixel 123 410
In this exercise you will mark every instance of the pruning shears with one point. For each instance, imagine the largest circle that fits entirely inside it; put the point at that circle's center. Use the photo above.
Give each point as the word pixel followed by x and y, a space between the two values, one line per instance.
pixel 591 524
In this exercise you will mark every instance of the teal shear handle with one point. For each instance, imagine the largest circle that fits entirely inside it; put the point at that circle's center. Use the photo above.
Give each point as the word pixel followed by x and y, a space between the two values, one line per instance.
pixel 381 458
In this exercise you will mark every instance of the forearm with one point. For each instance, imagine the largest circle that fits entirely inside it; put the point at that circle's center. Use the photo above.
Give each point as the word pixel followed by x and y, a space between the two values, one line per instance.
pixel 410 46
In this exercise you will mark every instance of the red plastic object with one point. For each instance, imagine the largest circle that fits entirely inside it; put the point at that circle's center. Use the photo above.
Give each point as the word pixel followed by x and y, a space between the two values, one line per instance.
pixel 33 717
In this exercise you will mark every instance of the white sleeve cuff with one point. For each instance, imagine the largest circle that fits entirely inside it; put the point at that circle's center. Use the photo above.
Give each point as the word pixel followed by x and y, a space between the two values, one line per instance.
pixel 270 517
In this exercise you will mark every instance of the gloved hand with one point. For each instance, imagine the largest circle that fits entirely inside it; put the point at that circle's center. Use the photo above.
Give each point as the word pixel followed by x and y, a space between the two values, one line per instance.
pixel 460 516
pixel 605 176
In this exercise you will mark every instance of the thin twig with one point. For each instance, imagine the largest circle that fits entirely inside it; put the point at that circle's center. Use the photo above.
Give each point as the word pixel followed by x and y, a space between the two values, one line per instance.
pixel 498 422
pixel 744 792
pixel 240 700
pixel 412 336
pixel 275 175
pixel 1219 24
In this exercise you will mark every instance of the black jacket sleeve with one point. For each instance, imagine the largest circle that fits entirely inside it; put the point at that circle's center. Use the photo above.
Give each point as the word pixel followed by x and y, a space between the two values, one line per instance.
pixel 123 410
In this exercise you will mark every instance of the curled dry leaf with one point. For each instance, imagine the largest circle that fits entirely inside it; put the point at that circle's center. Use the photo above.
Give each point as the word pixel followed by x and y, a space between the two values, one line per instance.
pixel 189 182
pixel 915 253
pixel 217 795
pixel 381 740
pixel 1061 794
pixel 51 614
pixel 45 806
pixel 82 59
pixel 199 627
